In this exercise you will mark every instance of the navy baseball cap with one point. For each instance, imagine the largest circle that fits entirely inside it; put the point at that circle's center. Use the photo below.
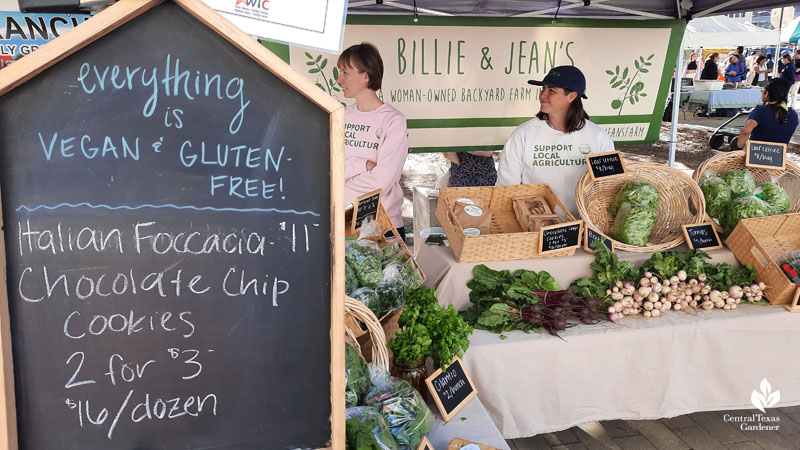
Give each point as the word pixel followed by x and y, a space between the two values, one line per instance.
pixel 565 77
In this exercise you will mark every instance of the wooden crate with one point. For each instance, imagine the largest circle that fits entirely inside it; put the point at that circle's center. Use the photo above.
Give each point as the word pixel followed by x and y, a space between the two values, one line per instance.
pixel 761 242
pixel 506 240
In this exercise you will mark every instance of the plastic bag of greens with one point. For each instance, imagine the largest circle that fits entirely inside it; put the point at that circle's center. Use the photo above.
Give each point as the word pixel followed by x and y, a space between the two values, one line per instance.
pixel 367 430
pixel 741 182
pixel 363 256
pixel 350 279
pixel 634 223
pixel 403 408
pixel 773 194
pixel 717 194
pixel 391 291
pixel 744 208
pixel 356 375
pixel 392 252
pixel 367 296
pixel 636 192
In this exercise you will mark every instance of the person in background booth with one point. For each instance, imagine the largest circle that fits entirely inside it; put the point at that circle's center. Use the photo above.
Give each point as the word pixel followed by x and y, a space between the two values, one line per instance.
pixel 787 73
pixel 376 141
pixel 773 121
pixel 551 147
pixel 734 71
pixel 690 71
pixel 761 70
pixel 710 69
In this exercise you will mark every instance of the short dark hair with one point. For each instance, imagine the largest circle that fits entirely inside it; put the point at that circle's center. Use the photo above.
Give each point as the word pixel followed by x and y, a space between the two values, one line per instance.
pixel 576 115
pixel 739 49
pixel 787 56
pixel 760 58
pixel 713 55
pixel 364 57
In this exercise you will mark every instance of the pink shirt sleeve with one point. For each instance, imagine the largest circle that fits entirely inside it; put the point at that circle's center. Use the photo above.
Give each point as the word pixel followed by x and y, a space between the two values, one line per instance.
pixel 354 167
pixel 391 158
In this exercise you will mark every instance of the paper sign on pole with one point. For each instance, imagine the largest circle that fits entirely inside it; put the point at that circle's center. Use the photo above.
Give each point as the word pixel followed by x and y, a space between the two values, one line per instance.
pixel 315 24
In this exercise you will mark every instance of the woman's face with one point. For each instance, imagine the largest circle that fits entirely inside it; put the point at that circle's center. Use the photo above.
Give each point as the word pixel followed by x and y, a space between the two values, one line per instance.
pixel 716 58
pixel 693 57
pixel 554 99
pixel 733 59
pixel 351 80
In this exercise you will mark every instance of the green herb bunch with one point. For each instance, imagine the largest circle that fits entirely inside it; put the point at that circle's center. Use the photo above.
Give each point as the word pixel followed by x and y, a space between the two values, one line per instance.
pixel 427 329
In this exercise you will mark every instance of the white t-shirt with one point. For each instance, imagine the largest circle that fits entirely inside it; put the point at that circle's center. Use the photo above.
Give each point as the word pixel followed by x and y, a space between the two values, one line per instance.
pixel 536 153
pixel 762 76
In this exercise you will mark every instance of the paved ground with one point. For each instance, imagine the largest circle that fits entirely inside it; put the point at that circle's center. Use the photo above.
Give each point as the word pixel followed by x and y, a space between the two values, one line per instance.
pixel 699 431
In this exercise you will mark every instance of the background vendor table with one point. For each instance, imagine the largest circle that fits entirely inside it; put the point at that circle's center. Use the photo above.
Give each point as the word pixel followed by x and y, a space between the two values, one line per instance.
pixel 729 98
pixel 639 369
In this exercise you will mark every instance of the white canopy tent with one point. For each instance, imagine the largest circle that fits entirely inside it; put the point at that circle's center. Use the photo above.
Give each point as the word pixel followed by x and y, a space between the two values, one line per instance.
pixel 724 32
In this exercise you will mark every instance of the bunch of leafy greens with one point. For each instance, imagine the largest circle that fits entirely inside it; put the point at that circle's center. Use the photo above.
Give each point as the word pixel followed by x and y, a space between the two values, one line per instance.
pixel 744 208
pixel 740 181
pixel 717 194
pixel 777 198
pixel 404 410
pixel 608 270
pixel 365 262
pixel 494 292
pixel 356 375
pixel 365 429
pixel 635 192
pixel 427 329
pixel 634 223
pixel 694 262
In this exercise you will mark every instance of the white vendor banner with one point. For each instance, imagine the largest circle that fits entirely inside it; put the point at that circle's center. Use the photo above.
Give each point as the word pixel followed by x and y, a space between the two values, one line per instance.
pixel 462 82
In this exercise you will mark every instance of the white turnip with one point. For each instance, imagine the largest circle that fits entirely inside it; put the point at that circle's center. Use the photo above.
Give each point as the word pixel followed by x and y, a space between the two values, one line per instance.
pixel 681 275
pixel 735 291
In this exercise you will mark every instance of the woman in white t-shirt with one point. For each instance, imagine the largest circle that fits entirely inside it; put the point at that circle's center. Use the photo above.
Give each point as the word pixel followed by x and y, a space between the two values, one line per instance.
pixel 761 70
pixel 551 147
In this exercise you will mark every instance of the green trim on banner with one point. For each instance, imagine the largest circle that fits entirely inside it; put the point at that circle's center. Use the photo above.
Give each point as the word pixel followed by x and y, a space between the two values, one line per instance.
pixel 478 148
pixel 471 148
pixel 280 50
pixel 474 21
pixel 515 121
pixel 675 40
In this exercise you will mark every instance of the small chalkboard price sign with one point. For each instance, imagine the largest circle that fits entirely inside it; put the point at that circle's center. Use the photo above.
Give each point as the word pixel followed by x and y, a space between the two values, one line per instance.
pixel 452 388
pixel 366 209
pixel 591 235
pixel 701 236
pixel 560 237
pixel 605 165
pixel 425 444
pixel 767 155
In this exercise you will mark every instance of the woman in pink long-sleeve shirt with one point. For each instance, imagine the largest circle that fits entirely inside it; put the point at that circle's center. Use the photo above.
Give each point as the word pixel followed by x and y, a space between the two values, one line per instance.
pixel 375 139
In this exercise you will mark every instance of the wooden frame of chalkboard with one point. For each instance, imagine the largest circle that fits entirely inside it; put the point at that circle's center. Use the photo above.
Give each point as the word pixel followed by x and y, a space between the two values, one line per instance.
pixel 439 404
pixel 358 220
pixel 586 230
pixel 109 20
pixel 591 156
pixel 794 307
pixel 560 225
pixel 707 226
pixel 750 163
pixel 425 444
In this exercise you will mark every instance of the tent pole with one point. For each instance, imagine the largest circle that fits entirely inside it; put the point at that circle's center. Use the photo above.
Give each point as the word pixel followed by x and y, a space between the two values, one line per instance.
pixel 676 102
pixel 778 48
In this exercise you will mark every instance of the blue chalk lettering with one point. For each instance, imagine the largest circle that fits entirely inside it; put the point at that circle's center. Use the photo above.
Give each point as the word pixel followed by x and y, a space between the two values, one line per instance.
pixel 215 185
pixel 90 152
pixel 189 160
pixel 85 70
pixel 276 163
pixel 48 149
pixel 67 147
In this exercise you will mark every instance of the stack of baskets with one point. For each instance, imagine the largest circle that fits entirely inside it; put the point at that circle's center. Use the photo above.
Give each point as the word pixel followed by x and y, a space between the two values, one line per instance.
pixel 788 179
pixel 682 203
pixel 371 345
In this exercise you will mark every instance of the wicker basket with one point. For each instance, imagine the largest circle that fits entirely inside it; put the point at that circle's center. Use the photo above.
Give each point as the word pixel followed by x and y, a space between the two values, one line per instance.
pixel 761 241
pixel 677 190
pixel 373 348
pixel 506 240
pixel 788 179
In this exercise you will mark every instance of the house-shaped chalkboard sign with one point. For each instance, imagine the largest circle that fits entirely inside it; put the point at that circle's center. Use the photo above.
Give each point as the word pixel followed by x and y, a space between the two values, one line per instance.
pixel 175 278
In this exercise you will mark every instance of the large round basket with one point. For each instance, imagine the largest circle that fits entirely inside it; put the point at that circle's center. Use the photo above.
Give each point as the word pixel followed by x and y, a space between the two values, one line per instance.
pixel 788 179
pixel 678 191
pixel 373 349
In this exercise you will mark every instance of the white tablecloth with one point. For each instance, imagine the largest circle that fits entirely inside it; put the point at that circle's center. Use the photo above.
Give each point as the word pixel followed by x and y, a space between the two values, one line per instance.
pixel 477 427
pixel 729 98
pixel 638 369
